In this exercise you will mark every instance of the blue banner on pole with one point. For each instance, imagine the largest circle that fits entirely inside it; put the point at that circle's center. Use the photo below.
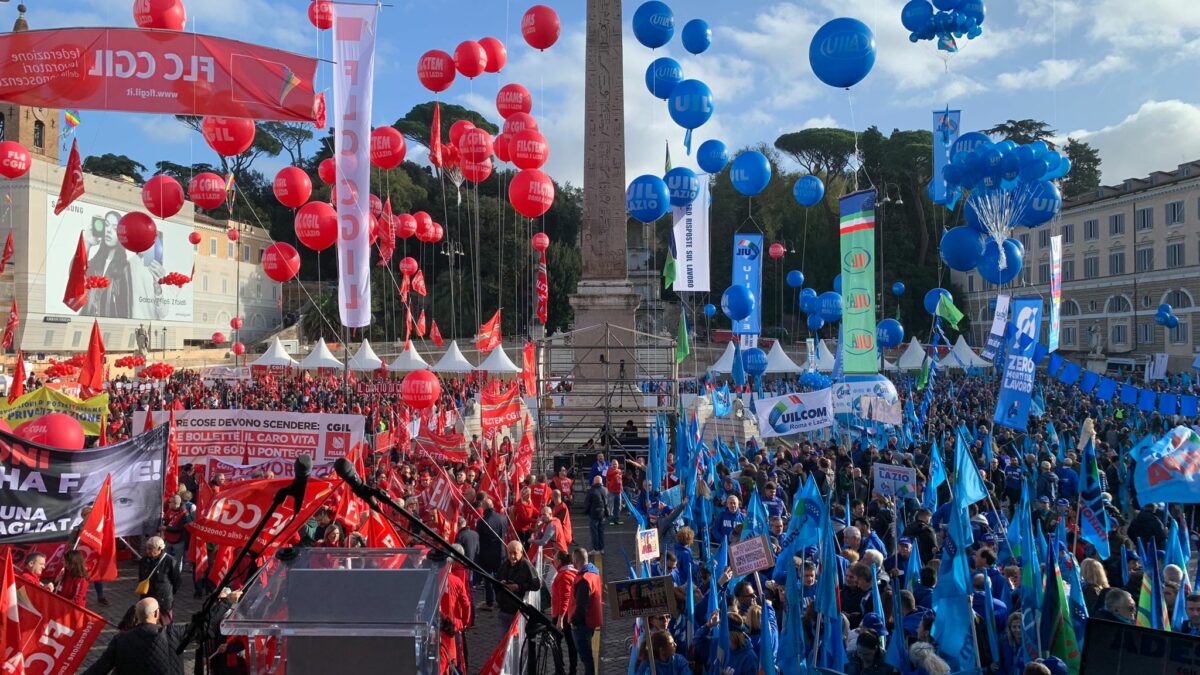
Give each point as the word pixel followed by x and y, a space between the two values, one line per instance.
pixel 747 271
pixel 945 133
pixel 1016 387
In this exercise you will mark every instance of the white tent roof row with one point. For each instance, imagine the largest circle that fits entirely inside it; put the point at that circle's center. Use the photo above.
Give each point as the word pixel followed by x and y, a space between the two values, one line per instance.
pixel 275 356
pixel 913 357
pixel 961 356
pixel 779 362
pixel 320 357
pixel 365 360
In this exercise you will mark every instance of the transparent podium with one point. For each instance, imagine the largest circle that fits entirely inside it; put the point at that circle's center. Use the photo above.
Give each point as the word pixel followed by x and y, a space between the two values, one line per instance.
pixel 343 610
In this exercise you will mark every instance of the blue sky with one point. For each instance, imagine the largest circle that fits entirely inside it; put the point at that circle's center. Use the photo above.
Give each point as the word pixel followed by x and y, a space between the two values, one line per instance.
pixel 1119 74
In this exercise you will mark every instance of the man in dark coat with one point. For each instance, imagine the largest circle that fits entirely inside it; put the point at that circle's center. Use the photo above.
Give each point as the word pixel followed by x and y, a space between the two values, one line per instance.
pixel 163 572
pixel 518 575
pixel 595 505
pixel 149 648
pixel 492 529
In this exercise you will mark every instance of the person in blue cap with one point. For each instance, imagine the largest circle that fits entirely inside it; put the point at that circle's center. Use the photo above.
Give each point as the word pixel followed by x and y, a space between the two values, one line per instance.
pixel 896 564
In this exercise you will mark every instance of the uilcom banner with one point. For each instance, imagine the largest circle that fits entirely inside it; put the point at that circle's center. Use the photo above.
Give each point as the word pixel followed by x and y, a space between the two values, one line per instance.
pixel 794 413
pixel 155 71
pixel 251 436
pixel 43 489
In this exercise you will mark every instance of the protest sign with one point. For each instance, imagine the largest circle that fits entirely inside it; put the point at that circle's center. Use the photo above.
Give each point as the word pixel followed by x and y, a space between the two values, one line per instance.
pixel 751 555
pixel 890 480
pixel 647 545
pixel 641 597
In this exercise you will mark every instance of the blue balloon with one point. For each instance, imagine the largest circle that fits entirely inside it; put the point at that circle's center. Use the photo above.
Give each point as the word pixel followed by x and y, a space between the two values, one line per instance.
pixel 837 284
pixel 933 297
pixel 750 173
pixel 712 156
pixel 647 199
pixel 691 104
pixel 1161 319
pixel 795 279
pixel 1033 170
pixel 808 303
pixel 696 36
pixel 1060 171
pixel 898 288
pixel 754 361
pixel 916 14
pixel 1039 148
pixel 968 142
pixel 946 5
pixel 989 264
pixel 662 75
pixel 830 306
pixel 1043 202
pixel 961 248
pixel 815 322
pixel 842 52
pixel 973 10
pixel 808 191
pixel 683 185
pixel 737 302
pixel 1172 322
pixel 653 24
pixel 1053 159
pixel 1165 308
pixel 710 310
pixel 889 333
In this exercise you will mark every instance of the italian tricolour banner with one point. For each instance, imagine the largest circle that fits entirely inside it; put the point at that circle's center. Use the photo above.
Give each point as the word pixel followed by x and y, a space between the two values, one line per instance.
pixel 857 230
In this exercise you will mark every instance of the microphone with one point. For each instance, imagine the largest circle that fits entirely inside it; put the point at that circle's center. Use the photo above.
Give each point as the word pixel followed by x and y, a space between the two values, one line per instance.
pixel 345 470
pixel 302 469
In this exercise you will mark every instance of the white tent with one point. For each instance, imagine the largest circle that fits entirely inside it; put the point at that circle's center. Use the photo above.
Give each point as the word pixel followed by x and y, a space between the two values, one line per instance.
pixel 913 357
pixel 780 362
pixel 408 361
pixel 825 360
pixel 889 367
pixel 365 360
pixel 961 357
pixel 498 362
pixel 453 361
pixel 725 363
pixel 320 357
pixel 275 356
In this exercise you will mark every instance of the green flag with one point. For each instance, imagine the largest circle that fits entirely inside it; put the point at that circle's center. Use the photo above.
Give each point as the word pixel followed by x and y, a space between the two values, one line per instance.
pixel 682 346
pixel 923 378
pixel 670 270
pixel 948 311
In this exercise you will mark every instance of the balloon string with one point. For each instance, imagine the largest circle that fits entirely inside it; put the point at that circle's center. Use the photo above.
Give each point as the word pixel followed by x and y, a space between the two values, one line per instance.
pixel 854 130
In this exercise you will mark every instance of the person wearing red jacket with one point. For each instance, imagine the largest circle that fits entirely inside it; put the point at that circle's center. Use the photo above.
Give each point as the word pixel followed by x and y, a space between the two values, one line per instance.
pixel 561 590
pixel 562 511
pixel 75 578
pixel 563 484
pixel 549 534
pixel 524 516
pixel 455 609
pixel 614 482
pixel 585 609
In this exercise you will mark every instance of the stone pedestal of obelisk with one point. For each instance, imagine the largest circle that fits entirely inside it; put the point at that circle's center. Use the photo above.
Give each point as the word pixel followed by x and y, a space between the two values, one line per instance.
pixel 605 294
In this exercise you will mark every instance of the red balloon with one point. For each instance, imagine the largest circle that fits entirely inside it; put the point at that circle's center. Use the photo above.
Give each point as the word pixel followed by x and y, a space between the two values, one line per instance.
pixel 57 430
pixel 408 265
pixel 437 233
pixel 531 193
pixel 541 27
pixel 529 149
pixel 477 172
pixel 320 13
pixel 14 159
pixel 513 98
pixel 207 190
pixel 281 262
pixel 229 136
pixel 424 224
pixel 776 251
pixel 162 196
pixel 327 171
pixel 458 129
pixel 194 238
pixel 236 323
pixel 387 147
pixel 164 14
pixel 497 54
pixel 376 207
pixel 516 123
pixel 540 242
pixel 435 70
pixel 316 225
pixel 238 349
pixel 470 59
pixel 136 231
pixel 292 187
pixel 232 234
pixel 373 230
pixel 406 226
pixel 475 145
pixel 218 338
pixel 500 147
pixel 420 389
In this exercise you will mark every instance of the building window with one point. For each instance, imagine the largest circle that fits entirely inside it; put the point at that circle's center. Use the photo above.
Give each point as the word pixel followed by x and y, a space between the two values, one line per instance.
pixel 224 286
pixel 1174 213
pixel 1068 270
pixel 1145 333
pixel 229 250
pixel 1092 306
pixel 260 254
pixel 970 283
pixel 1144 219
pixel 77 338
pixel 1091 230
pixel 49 338
pixel 1179 334
pixel 1068 336
pixel 212 247
pixel 1044 238
pixel 39 134
pixel 1178 300
pixel 246 252
pixel 1116 224
pixel 1116 263
pixel 1068 233
pixel 1024 239
pixel 1026 275
pixel 1175 255
pixel 1144 260
pixel 1091 266
pixel 1120 334
pixel 204 281
pixel 1118 304
pixel 1070 308
pixel 1044 273
pixel 204 317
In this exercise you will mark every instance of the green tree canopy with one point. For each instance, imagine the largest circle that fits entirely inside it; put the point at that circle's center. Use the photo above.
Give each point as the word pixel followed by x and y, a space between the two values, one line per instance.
pixel 1085 169
pixel 114 166
pixel 418 123
pixel 1023 132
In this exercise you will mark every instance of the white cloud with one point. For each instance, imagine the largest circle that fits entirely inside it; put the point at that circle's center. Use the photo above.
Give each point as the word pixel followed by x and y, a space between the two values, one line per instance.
pixel 166 130
pixel 1158 137
pixel 823 122
pixel 1046 75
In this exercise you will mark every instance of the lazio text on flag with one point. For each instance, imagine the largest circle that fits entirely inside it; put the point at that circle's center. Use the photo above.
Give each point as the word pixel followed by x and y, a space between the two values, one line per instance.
pixel 794 413
pixel 1168 472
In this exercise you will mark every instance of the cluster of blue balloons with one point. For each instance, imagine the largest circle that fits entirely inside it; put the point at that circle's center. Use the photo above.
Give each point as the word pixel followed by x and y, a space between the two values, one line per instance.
pixel 649 197
pixel 654 26
pixel 978 163
pixel 1166 316
pixel 842 52
pixel 889 333
pixel 814 381
pixel 957 18
pixel 689 102
pixel 821 309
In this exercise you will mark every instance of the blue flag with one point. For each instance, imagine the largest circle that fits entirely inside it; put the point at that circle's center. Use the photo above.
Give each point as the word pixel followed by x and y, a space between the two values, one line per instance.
pixel 937 476
pixel 897 646
pixel 989 610
pixel 969 486
pixel 739 371
pixel 912 571
pixel 1163 472
pixel 831 651
pixel 1069 567
pixel 793 655
pixel 952 630
pixel 1093 518
pixel 722 401
pixel 804 526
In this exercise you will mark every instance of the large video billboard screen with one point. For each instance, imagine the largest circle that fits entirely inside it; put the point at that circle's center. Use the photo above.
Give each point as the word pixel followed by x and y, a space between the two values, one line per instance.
pixel 133 291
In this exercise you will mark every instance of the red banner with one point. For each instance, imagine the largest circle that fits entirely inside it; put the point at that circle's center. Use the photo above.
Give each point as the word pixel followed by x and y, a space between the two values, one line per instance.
pixel 451 448
pixel 56 634
pixel 155 71
pixel 541 285
pixel 529 369
pixel 235 512
pixel 98 537
pixel 501 409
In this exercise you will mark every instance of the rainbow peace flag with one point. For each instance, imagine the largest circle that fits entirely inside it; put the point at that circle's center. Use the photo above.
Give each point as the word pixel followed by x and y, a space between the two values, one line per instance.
pixel 72 117
pixel 229 183
pixel 290 82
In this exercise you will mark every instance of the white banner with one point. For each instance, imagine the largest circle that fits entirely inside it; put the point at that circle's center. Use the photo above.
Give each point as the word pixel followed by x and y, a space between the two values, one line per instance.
pixel 996 335
pixel 353 76
pixel 1055 291
pixel 133 291
pixel 794 413
pixel 253 436
pixel 894 481
pixel 880 409
pixel 691 243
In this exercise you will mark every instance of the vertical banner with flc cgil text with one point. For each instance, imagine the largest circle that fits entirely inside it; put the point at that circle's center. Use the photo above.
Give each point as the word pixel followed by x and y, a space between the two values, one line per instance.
pixel 857 232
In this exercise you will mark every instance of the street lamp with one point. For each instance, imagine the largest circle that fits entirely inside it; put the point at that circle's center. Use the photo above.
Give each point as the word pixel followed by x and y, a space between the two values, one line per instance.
pixel 879 204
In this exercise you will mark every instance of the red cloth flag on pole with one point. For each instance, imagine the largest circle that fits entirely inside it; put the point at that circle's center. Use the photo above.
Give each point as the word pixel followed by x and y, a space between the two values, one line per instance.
pixel 421 324
pixel 529 369
pixel 103 431
pixel 495 662
pixel 57 634
pixel 489 334
pixel 171 480
pixel 418 284
pixel 542 286
pixel 72 185
pixel 98 536
pixel 405 284
pixel 9 250
pixel 408 323
pixel 10 328
pixel 387 234
pixel 91 373
pixel 75 295
pixel 10 613
pixel 149 426
pixel 435 136
pixel 435 334
pixel 17 390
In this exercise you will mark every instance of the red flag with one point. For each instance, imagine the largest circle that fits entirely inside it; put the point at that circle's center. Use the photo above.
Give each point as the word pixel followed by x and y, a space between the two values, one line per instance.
pixel 319 111
pixel 72 185
pixel 10 328
pixel 435 136
pixel 17 389
pixel 98 536
pixel 10 614
pixel 221 523
pixel 489 334
pixel 529 369
pixel 103 431
pixel 75 295
pixel 435 334
pixel 405 284
pixel 171 481
pixel 542 286
pixel 9 250
pixel 421 324
pixel 418 284
pixel 495 662
pixel 149 426
pixel 408 323
pixel 387 234
pixel 91 373
pixel 523 458
pixel 57 634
